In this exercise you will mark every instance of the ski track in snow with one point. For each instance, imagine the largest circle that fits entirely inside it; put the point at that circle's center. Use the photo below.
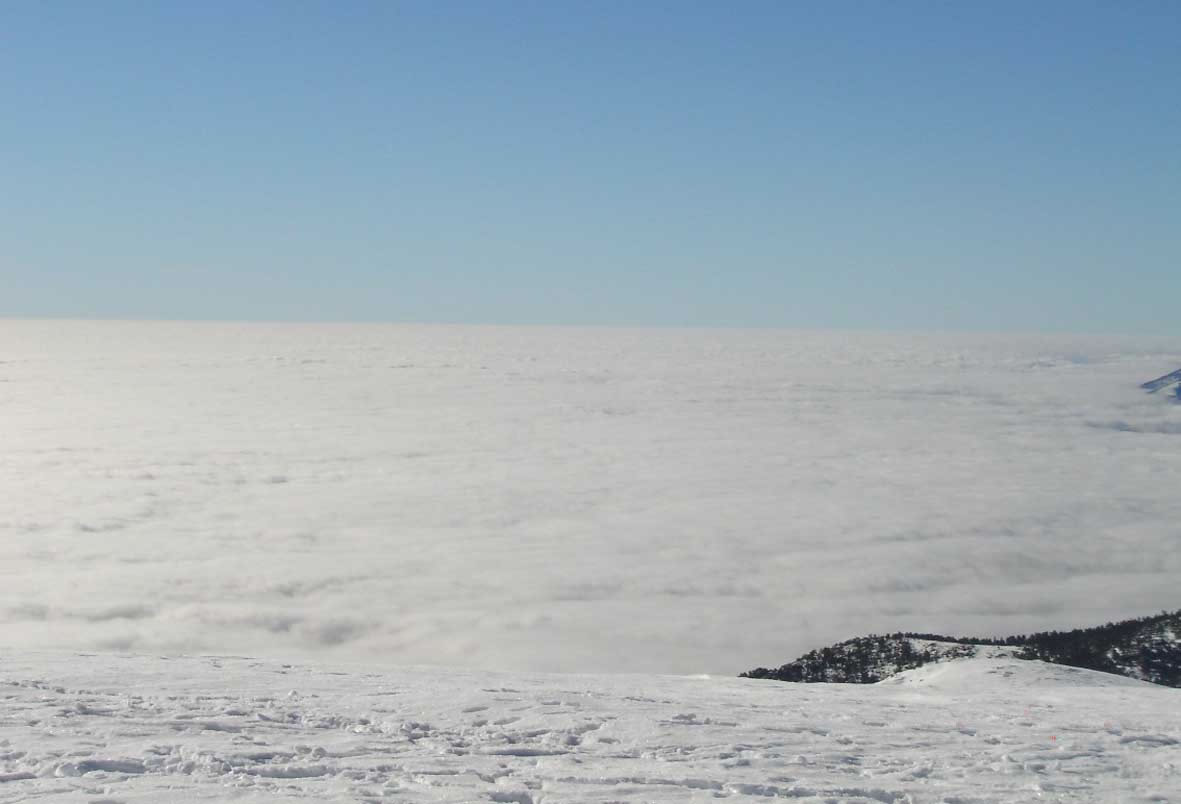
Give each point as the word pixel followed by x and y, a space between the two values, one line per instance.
pixel 106 729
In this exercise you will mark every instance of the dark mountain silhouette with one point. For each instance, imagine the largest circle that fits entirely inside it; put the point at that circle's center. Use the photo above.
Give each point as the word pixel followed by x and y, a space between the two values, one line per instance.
pixel 1173 379
pixel 1147 648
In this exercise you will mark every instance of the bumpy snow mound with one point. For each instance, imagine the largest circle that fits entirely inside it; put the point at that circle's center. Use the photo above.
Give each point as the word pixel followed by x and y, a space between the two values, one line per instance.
pixel 78 728
pixel 966 675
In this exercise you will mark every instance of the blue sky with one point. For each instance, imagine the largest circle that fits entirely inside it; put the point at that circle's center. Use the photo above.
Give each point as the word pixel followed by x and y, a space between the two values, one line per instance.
pixel 1000 166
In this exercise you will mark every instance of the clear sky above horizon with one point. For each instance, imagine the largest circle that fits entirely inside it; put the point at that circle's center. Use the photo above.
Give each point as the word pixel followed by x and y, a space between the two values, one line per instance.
pixel 1001 166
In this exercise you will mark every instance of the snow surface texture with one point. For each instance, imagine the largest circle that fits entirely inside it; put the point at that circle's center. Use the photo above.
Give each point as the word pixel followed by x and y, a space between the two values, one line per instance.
pixel 573 499
pixel 106 728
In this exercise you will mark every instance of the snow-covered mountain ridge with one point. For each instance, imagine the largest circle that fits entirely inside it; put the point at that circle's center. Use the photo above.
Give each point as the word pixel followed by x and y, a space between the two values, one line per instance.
pixel 1145 648
pixel 107 728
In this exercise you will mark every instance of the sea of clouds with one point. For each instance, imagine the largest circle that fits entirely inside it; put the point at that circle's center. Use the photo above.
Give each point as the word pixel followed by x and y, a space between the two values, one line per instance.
pixel 569 499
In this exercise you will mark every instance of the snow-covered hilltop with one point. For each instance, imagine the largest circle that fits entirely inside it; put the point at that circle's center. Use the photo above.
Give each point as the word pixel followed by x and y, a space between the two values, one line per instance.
pixel 1145 648
pixel 102 728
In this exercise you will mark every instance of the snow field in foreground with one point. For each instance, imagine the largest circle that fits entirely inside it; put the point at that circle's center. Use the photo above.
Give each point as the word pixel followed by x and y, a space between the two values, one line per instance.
pixel 102 728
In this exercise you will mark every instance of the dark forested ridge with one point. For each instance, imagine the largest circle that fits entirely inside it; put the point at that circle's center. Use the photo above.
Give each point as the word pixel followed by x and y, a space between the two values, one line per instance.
pixel 1147 648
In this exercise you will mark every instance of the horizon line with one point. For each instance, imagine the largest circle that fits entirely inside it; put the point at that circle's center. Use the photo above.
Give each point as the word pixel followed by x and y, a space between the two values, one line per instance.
pixel 334 322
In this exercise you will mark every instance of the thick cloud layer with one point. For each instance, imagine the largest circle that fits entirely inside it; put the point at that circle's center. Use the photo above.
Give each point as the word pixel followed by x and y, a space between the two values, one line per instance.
pixel 573 499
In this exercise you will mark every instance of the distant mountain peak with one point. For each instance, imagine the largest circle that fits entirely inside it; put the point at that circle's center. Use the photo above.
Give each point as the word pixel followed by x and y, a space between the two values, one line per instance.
pixel 1146 648
pixel 1171 379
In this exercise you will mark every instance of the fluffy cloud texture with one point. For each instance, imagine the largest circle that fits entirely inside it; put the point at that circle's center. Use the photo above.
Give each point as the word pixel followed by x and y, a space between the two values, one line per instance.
pixel 573 499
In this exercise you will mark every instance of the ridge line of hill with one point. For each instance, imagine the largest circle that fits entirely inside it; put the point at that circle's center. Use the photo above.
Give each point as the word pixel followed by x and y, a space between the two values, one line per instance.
pixel 1145 648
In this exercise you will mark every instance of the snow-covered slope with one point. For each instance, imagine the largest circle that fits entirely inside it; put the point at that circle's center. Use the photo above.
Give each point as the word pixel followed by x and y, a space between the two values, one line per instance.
pixel 1145 648
pixel 102 728
pixel 966 676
